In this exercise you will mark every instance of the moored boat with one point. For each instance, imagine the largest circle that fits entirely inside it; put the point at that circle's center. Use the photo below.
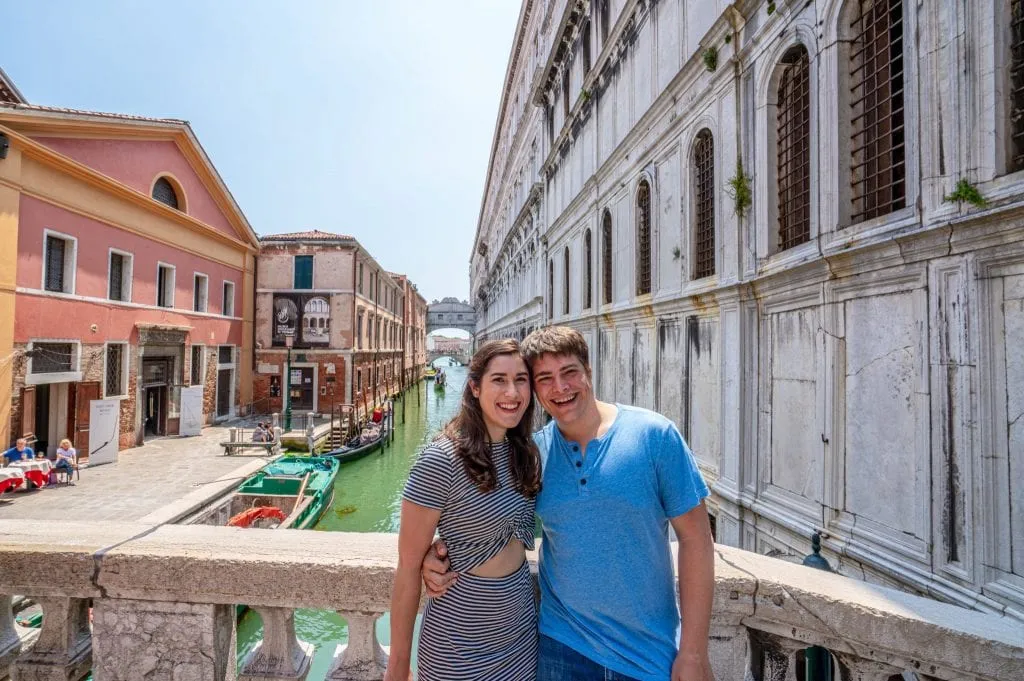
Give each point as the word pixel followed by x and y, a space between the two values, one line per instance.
pixel 361 447
pixel 430 373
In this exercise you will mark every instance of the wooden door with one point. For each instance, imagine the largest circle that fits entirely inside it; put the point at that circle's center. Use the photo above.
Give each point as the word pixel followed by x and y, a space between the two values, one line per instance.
pixel 85 393
pixel 28 411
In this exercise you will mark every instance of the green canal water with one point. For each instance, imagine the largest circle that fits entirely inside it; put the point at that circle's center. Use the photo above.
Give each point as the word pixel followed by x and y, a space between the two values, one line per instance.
pixel 367 498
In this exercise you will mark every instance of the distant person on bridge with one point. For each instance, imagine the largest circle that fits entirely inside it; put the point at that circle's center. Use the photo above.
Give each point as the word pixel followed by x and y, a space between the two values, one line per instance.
pixel 615 478
pixel 476 485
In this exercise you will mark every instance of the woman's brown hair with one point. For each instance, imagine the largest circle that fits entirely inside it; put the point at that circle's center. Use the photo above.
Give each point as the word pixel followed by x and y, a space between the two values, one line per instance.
pixel 469 431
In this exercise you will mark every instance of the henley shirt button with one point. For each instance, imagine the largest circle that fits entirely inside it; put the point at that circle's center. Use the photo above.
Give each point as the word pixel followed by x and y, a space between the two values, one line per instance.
pixel 583 481
pixel 575 448
pixel 579 464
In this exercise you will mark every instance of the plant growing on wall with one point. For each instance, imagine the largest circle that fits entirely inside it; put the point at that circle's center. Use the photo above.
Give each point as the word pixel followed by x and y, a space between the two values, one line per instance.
pixel 965 192
pixel 740 190
pixel 676 253
pixel 771 8
pixel 710 57
pixel 585 95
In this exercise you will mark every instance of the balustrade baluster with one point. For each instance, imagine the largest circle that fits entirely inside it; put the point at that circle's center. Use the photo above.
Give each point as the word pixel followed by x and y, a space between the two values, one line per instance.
pixel 858 669
pixel 280 656
pixel 362 659
pixel 774 656
pixel 10 642
pixel 63 650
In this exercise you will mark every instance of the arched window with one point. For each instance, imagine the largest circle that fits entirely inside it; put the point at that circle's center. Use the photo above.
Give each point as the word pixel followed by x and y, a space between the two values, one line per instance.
pixel 643 238
pixel 605 21
pixel 1017 86
pixel 585 33
pixel 565 93
pixel 878 162
pixel 588 264
pixel 606 258
pixel 794 149
pixel 565 280
pixel 704 204
pixel 551 289
pixel 164 192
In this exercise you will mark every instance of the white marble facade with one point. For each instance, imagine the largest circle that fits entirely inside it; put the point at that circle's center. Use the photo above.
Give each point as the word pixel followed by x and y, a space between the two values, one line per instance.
pixel 868 383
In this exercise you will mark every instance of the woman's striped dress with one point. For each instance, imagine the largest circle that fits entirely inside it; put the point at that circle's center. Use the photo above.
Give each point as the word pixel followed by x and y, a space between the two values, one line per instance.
pixel 483 628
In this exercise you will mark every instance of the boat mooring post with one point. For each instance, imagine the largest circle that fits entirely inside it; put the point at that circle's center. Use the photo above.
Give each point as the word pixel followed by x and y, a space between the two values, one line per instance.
pixel 817 660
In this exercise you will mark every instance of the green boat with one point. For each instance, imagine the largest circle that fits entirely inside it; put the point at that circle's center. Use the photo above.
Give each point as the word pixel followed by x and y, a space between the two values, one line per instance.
pixel 270 497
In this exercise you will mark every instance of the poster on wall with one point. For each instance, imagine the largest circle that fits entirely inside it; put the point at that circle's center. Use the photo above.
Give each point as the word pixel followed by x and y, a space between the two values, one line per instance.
pixel 191 410
pixel 306 318
pixel 104 431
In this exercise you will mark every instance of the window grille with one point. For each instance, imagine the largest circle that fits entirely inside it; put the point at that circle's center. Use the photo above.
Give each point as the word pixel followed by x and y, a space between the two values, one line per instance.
pixel 606 258
pixel 55 251
pixel 226 354
pixel 565 280
pixel 878 141
pixel 704 208
pixel 52 358
pixel 586 48
pixel 197 365
pixel 794 149
pixel 605 21
pixel 116 276
pixel 565 93
pixel 115 369
pixel 163 191
pixel 588 284
pixel 1017 85
pixel 643 238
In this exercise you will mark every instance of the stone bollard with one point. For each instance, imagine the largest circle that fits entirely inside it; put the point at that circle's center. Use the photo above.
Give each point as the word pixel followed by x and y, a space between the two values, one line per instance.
pixel 275 420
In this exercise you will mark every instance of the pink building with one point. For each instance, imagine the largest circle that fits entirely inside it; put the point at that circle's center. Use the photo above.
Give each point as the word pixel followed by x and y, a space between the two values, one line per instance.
pixel 134 274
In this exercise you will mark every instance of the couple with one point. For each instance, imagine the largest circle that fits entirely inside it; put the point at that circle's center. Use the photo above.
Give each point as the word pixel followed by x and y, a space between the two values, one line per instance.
pixel 606 480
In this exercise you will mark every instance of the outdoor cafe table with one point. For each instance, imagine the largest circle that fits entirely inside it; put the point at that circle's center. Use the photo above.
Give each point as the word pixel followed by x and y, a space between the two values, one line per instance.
pixel 11 478
pixel 37 471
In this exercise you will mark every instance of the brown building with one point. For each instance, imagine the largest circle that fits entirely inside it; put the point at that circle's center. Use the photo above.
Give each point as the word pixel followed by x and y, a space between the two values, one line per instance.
pixel 344 315
pixel 414 319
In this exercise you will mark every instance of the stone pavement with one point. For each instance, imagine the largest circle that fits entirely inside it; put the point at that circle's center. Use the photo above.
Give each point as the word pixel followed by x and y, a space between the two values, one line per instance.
pixel 156 482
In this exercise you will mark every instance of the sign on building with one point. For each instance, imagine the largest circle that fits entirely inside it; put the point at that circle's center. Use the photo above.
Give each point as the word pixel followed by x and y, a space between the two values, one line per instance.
pixel 306 318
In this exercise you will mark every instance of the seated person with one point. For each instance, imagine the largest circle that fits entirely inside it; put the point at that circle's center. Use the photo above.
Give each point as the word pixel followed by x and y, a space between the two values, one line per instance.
pixel 262 433
pixel 19 451
pixel 66 455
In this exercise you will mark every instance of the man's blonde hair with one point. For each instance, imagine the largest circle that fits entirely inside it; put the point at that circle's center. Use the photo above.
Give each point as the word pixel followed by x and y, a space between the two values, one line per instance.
pixel 555 340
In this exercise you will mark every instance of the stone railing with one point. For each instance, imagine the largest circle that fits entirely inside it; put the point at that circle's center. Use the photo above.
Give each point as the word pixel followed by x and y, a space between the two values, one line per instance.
pixel 163 607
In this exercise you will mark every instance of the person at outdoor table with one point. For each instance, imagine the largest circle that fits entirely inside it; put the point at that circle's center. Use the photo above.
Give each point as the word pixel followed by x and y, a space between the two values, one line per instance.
pixel 19 451
pixel 65 457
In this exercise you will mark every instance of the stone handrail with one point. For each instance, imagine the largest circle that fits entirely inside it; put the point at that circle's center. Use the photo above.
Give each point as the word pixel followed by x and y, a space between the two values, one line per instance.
pixel 163 605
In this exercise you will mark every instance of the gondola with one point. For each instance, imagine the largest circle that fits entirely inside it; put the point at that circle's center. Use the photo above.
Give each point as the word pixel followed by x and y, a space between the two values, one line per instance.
pixel 346 453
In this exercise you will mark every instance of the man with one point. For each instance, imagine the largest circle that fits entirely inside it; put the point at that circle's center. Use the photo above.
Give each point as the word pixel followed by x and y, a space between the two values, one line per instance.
pixel 614 478
pixel 19 451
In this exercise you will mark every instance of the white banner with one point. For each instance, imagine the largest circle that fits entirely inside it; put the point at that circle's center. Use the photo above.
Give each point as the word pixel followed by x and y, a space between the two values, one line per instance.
pixel 104 431
pixel 191 410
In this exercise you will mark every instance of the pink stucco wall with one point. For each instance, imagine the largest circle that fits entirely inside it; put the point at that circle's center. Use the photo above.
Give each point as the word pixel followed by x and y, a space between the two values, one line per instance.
pixel 54 317
pixel 137 163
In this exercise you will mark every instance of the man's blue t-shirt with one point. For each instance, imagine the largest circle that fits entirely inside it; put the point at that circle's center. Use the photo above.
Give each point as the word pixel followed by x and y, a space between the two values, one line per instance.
pixel 13 454
pixel 606 577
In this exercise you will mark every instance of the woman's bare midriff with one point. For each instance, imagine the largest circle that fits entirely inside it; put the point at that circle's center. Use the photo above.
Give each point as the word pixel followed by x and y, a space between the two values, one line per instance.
pixel 505 563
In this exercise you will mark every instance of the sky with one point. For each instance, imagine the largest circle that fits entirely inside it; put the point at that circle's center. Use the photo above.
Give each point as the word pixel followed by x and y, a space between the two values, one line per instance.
pixel 372 119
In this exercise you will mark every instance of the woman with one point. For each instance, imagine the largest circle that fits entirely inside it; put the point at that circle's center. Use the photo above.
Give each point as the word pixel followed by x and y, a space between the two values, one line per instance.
pixel 65 457
pixel 476 484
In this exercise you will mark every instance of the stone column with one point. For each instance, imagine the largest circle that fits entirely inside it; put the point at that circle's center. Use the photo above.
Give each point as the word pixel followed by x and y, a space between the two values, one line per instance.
pixel 63 650
pixel 10 642
pixel 280 656
pixel 162 640
pixel 362 659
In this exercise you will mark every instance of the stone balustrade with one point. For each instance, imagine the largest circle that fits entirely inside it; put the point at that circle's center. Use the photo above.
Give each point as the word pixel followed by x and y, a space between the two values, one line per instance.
pixel 163 606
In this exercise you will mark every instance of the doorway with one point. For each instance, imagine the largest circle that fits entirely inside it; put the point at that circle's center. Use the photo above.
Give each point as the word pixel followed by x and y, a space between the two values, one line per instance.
pixel 302 389
pixel 155 412
pixel 224 381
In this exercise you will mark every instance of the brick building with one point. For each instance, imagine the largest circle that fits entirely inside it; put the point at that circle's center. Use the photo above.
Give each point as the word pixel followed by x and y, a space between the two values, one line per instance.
pixel 344 314
pixel 414 319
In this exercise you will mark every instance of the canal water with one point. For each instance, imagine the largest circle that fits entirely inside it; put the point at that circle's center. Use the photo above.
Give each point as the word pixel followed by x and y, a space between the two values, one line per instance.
pixel 367 498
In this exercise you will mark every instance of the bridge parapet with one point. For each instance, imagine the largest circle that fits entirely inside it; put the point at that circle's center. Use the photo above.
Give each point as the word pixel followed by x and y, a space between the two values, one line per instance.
pixel 164 600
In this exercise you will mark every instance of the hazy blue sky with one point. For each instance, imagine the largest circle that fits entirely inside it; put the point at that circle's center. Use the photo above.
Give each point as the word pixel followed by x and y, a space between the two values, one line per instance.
pixel 367 118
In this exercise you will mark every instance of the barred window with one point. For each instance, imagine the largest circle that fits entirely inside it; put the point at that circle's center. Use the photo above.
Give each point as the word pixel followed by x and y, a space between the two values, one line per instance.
pixel 588 264
pixel 585 33
pixel 643 238
pixel 565 280
pixel 878 140
pixel 58 264
pixel 794 149
pixel 114 382
pixel 163 191
pixel 606 258
pixel 605 21
pixel 704 204
pixel 1017 85
pixel 565 93
pixel 226 354
pixel 52 358
pixel 197 365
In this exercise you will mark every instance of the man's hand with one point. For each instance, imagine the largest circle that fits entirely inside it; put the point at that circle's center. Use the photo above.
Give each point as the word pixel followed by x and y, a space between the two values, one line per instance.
pixel 437 578
pixel 692 667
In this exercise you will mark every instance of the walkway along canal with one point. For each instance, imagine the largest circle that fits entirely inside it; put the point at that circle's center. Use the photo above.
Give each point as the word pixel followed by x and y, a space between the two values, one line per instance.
pixel 367 498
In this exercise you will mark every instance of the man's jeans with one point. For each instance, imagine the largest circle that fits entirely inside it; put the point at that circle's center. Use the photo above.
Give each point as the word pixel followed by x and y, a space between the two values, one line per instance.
pixel 559 662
